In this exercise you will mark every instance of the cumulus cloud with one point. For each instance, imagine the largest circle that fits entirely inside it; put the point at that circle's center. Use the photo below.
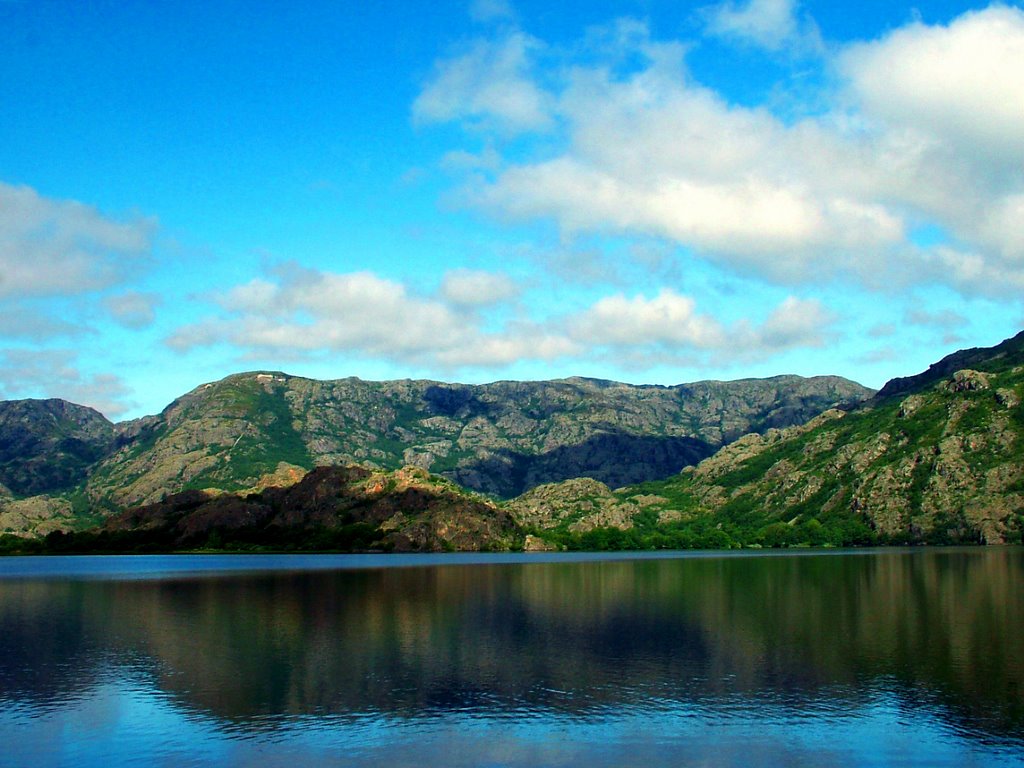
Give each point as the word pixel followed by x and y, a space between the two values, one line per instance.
pixel 473 288
pixel 794 323
pixel 924 131
pixel 309 312
pixel 518 342
pixel 668 319
pixel 670 323
pixel 489 86
pixel 963 82
pixel 654 156
pixel 307 309
pixel 771 24
pixel 301 313
pixel 62 247
pixel 958 91
pixel 55 373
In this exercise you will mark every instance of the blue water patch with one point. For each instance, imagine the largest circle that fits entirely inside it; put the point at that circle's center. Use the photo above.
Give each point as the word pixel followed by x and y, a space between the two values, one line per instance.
pixel 810 658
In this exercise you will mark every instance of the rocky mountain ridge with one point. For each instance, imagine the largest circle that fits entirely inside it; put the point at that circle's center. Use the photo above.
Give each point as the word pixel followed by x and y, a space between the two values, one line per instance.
pixel 499 439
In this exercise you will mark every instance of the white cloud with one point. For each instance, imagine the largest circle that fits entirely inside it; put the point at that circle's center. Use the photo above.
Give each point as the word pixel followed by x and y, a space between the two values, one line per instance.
pixel 643 151
pixel 302 313
pixel 742 220
pixel 670 323
pixel 652 155
pixel 667 319
pixel 55 373
pixel 61 247
pixel 523 341
pixel 305 312
pixel 973 272
pixel 771 24
pixel 472 288
pixel 963 82
pixel 487 86
pixel 957 92
pixel 1001 228
pixel 309 310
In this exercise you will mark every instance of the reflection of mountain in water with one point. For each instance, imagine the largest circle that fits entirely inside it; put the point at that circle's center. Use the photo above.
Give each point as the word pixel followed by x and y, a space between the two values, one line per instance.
pixel 938 629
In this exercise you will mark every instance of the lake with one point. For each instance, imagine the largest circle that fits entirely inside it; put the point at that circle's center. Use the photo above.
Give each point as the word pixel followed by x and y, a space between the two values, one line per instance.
pixel 871 658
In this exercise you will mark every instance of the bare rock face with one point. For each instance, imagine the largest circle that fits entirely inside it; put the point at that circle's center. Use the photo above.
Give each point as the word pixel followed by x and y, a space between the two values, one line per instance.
pixel 910 405
pixel 1007 398
pixel 1002 355
pixel 582 503
pixel 967 381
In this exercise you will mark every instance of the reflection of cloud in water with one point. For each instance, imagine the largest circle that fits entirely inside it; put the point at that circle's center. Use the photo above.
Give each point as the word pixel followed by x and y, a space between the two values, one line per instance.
pixel 536 657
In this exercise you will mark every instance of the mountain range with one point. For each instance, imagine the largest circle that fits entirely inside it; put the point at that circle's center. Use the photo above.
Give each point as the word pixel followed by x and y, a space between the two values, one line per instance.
pixel 264 459
pixel 62 464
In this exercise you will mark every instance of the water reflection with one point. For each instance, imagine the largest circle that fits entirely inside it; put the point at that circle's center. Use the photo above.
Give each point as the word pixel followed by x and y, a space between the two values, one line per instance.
pixel 791 643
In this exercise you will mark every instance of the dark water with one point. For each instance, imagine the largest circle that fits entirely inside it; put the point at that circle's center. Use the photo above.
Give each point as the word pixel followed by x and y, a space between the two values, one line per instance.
pixel 885 658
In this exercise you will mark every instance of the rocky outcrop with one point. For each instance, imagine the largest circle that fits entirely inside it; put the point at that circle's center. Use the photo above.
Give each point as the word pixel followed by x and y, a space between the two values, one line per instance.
pixel 581 505
pixel 536 544
pixel 36 516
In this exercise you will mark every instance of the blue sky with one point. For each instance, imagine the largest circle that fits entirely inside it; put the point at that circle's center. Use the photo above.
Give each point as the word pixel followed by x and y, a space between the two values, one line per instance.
pixel 653 192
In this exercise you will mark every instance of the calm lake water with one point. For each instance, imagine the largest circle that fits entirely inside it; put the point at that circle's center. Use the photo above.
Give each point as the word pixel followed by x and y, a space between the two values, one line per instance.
pixel 867 658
